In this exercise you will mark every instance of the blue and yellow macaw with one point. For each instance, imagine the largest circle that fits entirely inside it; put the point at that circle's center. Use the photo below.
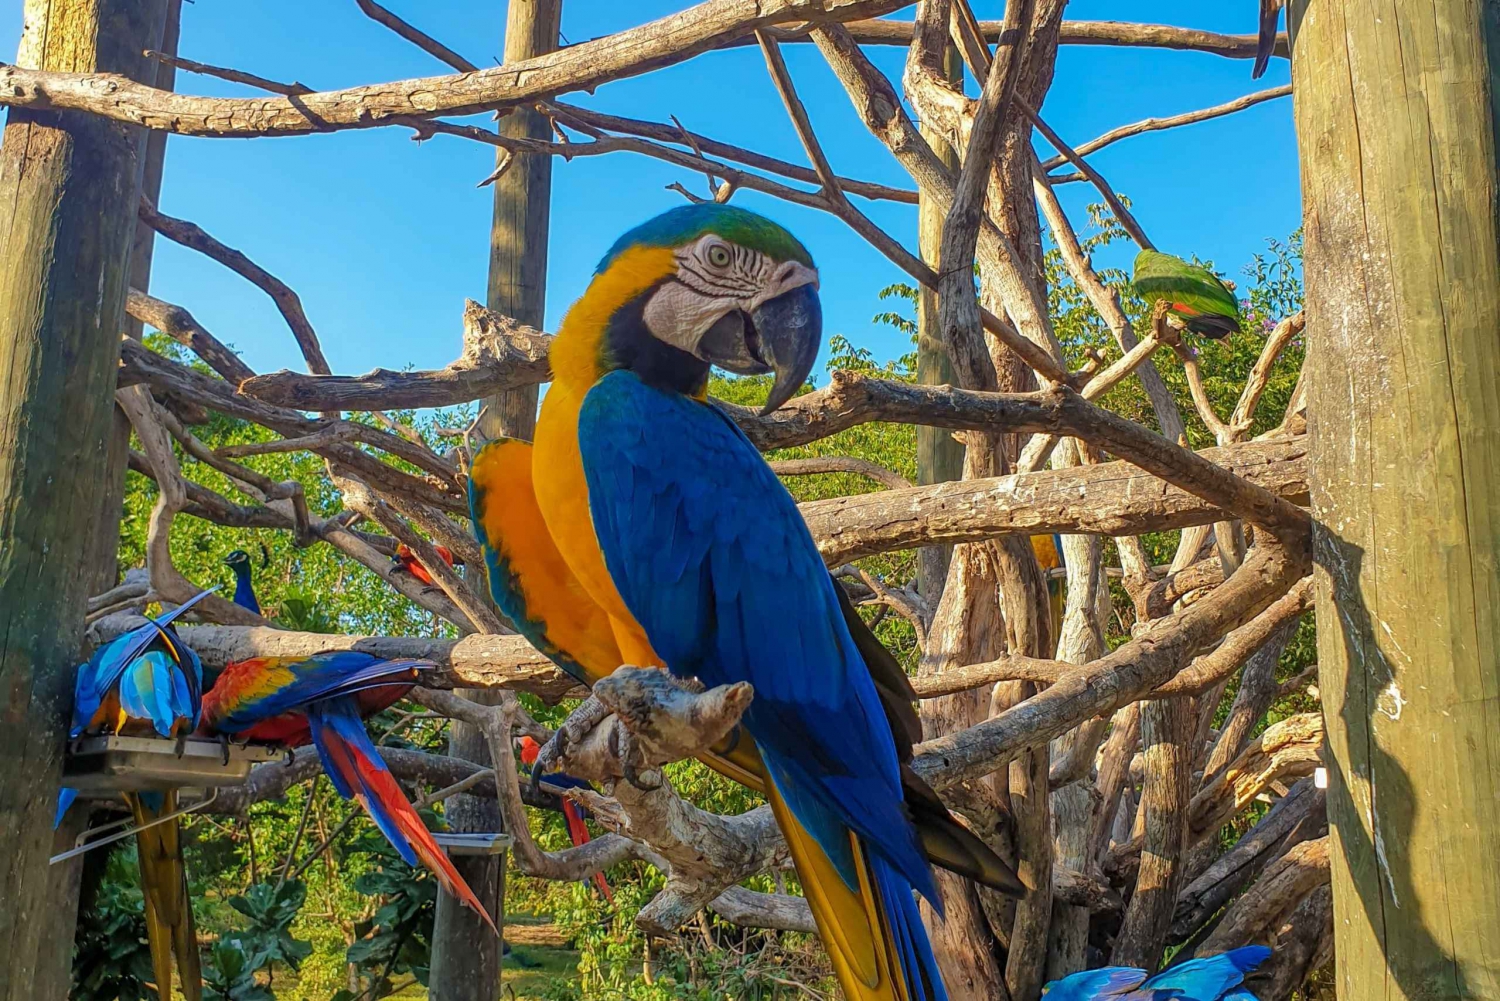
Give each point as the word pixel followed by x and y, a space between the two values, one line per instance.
pixel 150 682
pixel 1216 978
pixel 644 528
pixel 1048 552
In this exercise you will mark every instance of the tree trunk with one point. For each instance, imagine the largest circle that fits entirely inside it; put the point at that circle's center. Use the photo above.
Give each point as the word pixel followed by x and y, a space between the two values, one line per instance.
pixel 466 956
pixel 1396 109
pixel 68 188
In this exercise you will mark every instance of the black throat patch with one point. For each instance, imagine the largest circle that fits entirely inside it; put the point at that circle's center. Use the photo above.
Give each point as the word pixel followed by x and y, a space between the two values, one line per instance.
pixel 628 344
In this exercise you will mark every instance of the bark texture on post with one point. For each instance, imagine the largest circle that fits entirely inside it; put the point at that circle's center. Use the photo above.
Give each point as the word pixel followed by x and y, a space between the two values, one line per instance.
pixel 1396 112
pixel 466 956
pixel 940 458
pixel 523 202
pixel 68 190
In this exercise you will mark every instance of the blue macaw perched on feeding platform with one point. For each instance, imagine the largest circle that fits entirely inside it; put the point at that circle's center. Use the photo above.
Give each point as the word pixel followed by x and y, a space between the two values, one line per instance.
pixel 150 682
pixel 644 528
pixel 1190 292
pixel 1216 978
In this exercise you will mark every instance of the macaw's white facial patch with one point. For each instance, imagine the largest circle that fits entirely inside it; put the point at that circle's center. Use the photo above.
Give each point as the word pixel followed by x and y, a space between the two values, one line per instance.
pixel 716 279
pixel 678 314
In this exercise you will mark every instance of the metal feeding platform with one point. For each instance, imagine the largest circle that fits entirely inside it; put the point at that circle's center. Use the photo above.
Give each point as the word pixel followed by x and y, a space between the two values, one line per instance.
pixel 472 844
pixel 112 764
pixel 103 767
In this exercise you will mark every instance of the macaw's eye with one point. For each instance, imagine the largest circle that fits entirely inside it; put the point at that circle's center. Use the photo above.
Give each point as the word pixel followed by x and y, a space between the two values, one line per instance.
pixel 718 255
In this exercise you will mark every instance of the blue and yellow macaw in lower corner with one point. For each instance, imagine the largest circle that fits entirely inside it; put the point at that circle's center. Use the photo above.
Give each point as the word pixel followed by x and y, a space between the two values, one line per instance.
pixel 644 528
pixel 146 682
pixel 1216 978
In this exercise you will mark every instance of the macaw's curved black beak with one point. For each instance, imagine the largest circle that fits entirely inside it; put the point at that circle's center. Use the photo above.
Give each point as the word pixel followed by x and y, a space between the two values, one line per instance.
pixel 786 333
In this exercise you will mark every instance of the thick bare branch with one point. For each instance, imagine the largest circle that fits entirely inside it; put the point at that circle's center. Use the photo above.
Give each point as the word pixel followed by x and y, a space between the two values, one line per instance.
pixel 817 465
pixel 659 43
pixel 477 661
pixel 1125 675
pixel 178 324
pixel 1296 817
pixel 1273 898
pixel 1291 748
pixel 1239 645
pixel 498 353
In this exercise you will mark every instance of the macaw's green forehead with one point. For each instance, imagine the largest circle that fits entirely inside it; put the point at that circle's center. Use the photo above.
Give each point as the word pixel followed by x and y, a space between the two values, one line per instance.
pixel 689 222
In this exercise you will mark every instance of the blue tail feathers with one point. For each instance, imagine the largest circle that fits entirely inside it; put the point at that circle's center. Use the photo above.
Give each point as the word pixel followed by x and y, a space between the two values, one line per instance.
pixel 908 934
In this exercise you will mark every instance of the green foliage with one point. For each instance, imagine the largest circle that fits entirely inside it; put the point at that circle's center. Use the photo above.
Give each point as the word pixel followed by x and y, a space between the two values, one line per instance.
pixel 271 910
pixel 397 938
pixel 230 972
pixel 110 955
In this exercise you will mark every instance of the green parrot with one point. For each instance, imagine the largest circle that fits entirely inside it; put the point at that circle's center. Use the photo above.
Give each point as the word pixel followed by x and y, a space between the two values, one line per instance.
pixel 1194 294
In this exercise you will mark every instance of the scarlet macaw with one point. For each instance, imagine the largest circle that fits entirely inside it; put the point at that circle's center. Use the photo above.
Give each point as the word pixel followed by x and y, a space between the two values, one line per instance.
pixel 149 682
pixel 1216 978
pixel 573 814
pixel 644 528
pixel 407 560
pixel 1193 293
pixel 324 699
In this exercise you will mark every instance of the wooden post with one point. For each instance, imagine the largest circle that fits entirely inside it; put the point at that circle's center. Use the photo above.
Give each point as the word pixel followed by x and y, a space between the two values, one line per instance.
pixel 1397 107
pixel 68 188
pixel 466 957
pixel 523 203
pixel 940 458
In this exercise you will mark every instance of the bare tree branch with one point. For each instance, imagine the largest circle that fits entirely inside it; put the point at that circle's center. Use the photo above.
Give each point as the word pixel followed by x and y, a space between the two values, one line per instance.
pixel 1170 122
pixel 192 236
pixel 659 43
pixel 178 324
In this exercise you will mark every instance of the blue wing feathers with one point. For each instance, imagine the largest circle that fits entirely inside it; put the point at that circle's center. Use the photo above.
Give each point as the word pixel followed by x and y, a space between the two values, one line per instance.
pixel 1205 979
pixel 913 949
pixel 105 668
pixel 711 556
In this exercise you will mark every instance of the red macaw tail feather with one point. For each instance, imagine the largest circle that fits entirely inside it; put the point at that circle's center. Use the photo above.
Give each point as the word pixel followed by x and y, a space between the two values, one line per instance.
pixel 578 833
pixel 357 772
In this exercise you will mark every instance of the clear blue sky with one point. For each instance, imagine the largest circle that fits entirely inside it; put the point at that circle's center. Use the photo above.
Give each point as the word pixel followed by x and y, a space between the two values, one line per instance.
pixel 384 238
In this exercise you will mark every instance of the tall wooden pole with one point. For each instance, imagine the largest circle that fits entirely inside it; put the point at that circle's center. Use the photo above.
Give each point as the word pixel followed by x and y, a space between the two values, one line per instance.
pixel 68 190
pixel 466 957
pixel 940 457
pixel 54 964
pixel 1397 107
